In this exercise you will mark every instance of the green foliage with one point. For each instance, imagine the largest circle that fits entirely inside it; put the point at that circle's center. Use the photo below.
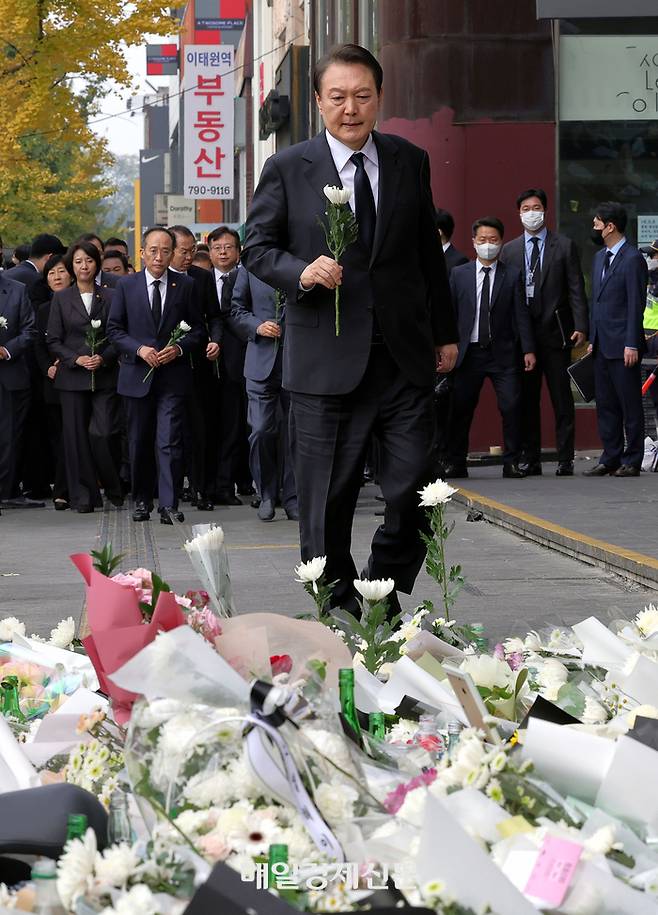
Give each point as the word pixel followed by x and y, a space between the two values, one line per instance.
pixel 450 580
pixel 159 587
pixel 105 561
pixel 372 635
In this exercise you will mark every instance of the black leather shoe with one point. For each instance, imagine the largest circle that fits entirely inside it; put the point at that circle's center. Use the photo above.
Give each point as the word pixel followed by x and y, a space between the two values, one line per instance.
pixel 246 489
pixel 142 512
pixel 85 509
pixel 266 510
pixel 60 505
pixel 292 513
pixel 455 471
pixel 513 472
pixel 187 495
pixel 203 504
pixel 255 503
pixel 601 470
pixel 114 499
pixel 227 498
pixel 627 471
pixel 533 469
pixel 169 515
pixel 564 469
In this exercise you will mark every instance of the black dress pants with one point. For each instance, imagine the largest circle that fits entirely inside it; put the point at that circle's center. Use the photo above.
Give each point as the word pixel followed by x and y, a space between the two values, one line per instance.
pixel 14 407
pixel 552 363
pixel 478 365
pixel 619 413
pixel 330 437
pixel 90 424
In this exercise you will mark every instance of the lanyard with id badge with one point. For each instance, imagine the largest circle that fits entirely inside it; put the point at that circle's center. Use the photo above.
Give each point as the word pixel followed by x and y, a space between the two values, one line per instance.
pixel 532 273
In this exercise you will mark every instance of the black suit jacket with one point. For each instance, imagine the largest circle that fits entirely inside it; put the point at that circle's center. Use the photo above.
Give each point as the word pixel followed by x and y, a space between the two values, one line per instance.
pixel 252 303
pixel 109 280
pixel 454 258
pixel 618 302
pixel 511 330
pixel 131 325
pixel 68 325
pixel 37 287
pixel 231 359
pixel 403 280
pixel 562 288
pixel 17 334
pixel 208 302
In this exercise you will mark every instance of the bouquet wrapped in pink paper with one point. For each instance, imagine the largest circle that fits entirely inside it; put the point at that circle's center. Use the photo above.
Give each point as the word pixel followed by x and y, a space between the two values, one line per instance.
pixel 119 629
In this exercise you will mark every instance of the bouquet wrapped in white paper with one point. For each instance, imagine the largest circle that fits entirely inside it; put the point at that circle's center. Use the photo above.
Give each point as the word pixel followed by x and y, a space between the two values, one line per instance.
pixel 207 552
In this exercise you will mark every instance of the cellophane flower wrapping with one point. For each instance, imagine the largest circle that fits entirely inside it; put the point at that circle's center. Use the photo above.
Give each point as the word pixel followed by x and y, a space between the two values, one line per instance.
pixel 208 554
pixel 42 688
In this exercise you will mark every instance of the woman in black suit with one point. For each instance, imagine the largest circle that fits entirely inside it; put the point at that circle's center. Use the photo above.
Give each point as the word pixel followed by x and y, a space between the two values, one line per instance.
pixel 86 382
pixel 57 277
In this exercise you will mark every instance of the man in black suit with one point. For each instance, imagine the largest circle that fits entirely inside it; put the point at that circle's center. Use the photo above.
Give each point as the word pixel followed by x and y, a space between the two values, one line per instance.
pixel 378 374
pixel 202 406
pixel 493 320
pixel 555 294
pixel 34 465
pixel 619 290
pixel 232 446
pixel 147 307
pixel 17 335
pixel 257 316
pixel 445 226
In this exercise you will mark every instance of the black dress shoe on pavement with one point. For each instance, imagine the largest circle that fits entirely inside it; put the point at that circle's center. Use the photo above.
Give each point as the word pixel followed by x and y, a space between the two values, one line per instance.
pixel 246 489
pixel 292 513
pixel 455 471
pixel 532 469
pixel 85 509
pixel 601 470
pixel 187 495
pixel 142 512
pixel 60 505
pixel 169 515
pixel 627 471
pixel 203 504
pixel 564 469
pixel 22 502
pixel 115 500
pixel 513 472
pixel 254 503
pixel 227 498
pixel 266 510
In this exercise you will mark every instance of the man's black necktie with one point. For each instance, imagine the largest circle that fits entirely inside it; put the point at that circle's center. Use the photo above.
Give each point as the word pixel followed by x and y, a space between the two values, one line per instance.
pixel 606 263
pixel 364 202
pixel 535 279
pixel 156 304
pixel 484 333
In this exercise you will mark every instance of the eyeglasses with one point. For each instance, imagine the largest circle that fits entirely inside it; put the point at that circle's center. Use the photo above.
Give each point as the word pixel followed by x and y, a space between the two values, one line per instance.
pixel 222 247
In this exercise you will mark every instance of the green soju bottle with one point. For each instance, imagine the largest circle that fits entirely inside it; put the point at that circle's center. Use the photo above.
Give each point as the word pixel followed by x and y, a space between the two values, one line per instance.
pixel 278 872
pixel 76 826
pixel 347 704
pixel 376 725
pixel 10 706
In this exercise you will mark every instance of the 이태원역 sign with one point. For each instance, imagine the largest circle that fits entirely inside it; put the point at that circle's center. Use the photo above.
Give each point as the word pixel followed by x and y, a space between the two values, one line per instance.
pixel 208 85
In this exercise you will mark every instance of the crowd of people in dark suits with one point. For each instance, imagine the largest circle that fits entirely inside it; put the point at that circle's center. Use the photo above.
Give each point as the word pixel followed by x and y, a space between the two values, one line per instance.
pixel 165 382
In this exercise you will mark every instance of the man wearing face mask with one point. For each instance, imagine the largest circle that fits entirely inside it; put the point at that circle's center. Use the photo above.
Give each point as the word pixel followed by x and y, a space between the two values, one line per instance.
pixel 494 331
pixel 619 287
pixel 555 295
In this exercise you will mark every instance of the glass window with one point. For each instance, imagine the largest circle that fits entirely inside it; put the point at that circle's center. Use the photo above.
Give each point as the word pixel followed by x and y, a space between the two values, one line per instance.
pixel 369 25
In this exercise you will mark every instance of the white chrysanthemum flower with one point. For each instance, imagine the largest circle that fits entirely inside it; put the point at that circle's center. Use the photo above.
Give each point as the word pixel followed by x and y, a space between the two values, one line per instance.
pixel 593 713
pixel 532 641
pixel 433 889
pixel 96 323
pixel 499 762
pixel 116 865
pixel 184 326
pixel 488 671
pixel 203 791
pixel 139 900
pixel 646 620
pixel 336 801
pixel 514 646
pixel 63 634
pixel 495 792
pixel 602 841
pixel 336 195
pixel 331 746
pixel 403 731
pixel 551 676
pixel 3 321
pixel 374 590
pixel 8 626
pixel 75 868
pixel 437 493
pixel 311 571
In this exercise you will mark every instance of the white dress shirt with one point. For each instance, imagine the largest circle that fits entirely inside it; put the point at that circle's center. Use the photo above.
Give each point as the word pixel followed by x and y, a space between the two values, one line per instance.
pixel 614 251
pixel 150 279
pixel 346 169
pixel 87 299
pixel 479 280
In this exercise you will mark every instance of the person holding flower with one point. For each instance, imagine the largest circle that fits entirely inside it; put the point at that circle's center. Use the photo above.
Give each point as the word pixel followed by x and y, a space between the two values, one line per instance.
pixel 155 323
pixel 363 361
pixel 86 381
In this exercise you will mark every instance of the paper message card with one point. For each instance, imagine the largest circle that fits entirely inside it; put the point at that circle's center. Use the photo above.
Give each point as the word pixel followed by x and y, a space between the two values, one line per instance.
pixel 553 871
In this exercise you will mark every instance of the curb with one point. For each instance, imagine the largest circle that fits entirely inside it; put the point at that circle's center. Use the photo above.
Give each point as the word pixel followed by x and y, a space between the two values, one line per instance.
pixel 629 564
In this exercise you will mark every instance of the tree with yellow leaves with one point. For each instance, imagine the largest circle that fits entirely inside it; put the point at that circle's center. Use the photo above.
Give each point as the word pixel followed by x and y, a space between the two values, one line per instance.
pixel 57 58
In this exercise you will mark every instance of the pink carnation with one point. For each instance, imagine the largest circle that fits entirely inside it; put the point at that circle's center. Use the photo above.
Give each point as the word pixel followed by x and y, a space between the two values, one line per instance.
pixel 205 623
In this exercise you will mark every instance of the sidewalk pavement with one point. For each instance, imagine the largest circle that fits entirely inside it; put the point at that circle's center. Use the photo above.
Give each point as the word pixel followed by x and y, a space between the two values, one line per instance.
pixel 607 521
pixel 512 583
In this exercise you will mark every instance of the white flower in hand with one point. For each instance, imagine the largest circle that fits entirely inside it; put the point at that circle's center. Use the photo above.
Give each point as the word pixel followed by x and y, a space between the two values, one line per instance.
pixel 96 323
pixel 437 493
pixel 336 195
pixel 310 571
pixel 185 327
pixel 3 322
pixel 374 590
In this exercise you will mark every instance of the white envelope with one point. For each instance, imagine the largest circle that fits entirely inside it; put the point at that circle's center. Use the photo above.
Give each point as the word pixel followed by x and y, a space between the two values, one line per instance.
pixel 408 679
pixel 628 789
pixel 572 761
pixel 366 690
pixel 449 854
pixel 641 683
